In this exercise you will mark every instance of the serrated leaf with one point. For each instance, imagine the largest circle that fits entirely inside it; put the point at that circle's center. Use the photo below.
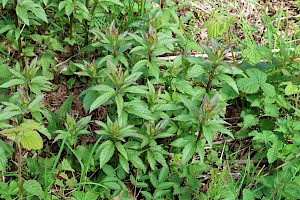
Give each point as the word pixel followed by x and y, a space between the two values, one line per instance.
pixel 108 149
pixel 185 118
pixel 34 188
pixel 89 98
pixel 139 108
pixel 291 89
pixel 248 194
pixel 163 174
pixel 101 100
pixel 121 149
pixel 12 82
pixel 69 8
pixel 65 107
pixel 22 13
pixel 8 115
pixel 184 87
pixel 271 110
pixel 109 170
pixel 248 85
pixel 124 163
pixel 32 140
pixel 137 161
pixel 230 81
pixel 188 152
pixel 250 120
pixel 256 53
pixel 153 179
pixel 112 185
pixel 195 71
pixel 3 160
pixel 151 160
pixel 165 185
pixel 35 102
pixel 39 12
pixel 268 89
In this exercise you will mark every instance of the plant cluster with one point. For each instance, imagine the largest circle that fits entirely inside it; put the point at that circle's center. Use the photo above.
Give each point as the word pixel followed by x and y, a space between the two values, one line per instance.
pixel 152 127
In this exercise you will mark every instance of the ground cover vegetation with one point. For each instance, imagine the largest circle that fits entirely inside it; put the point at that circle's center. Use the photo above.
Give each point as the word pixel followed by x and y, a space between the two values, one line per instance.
pixel 161 99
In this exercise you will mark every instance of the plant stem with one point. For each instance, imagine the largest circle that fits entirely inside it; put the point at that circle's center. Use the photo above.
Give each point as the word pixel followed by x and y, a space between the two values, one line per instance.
pixel 211 77
pixel 59 153
pixel 20 172
pixel 94 7
pixel 142 8
pixel 86 168
pixel 71 33
pixel 17 24
pixel 86 25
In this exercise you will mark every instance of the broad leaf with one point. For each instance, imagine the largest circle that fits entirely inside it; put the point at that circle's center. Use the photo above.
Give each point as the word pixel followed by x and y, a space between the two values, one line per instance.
pixel 188 152
pixel 101 100
pixel 108 149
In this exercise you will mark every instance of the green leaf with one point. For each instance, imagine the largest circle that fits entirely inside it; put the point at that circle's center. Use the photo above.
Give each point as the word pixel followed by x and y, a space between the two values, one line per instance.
pixel 3 160
pixel 158 194
pixel 112 185
pixel 32 140
pixel 89 98
pixel 163 174
pixel 146 194
pixel 136 161
pixel 36 102
pixel 257 74
pixel 272 110
pixel 141 185
pixel 154 69
pixel 256 53
pixel 188 152
pixel 208 133
pixel 124 163
pixel 189 104
pixel 248 194
pixel 250 120
pixel 273 152
pixel 69 8
pixel 109 170
pixel 12 82
pixel 34 188
pixel 56 46
pixel 248 85
pixel 121 149
pixel 159 158
pixel 215 25
pixel 65 165
pixel 65 107
pixel 230 81
pixel 5 73
pixel 195 71
pixel 39 12
pixel 8 115
pixel 291 89
pixel 185 118
pixel 151 160
pixel 166 185
pixel 184 87
pixel 22 13
pixel 108 149
pixel 4 2
pixel 268 89
pixel 101 100
pixel 139 108
pixel 192 45
pixel 153 179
